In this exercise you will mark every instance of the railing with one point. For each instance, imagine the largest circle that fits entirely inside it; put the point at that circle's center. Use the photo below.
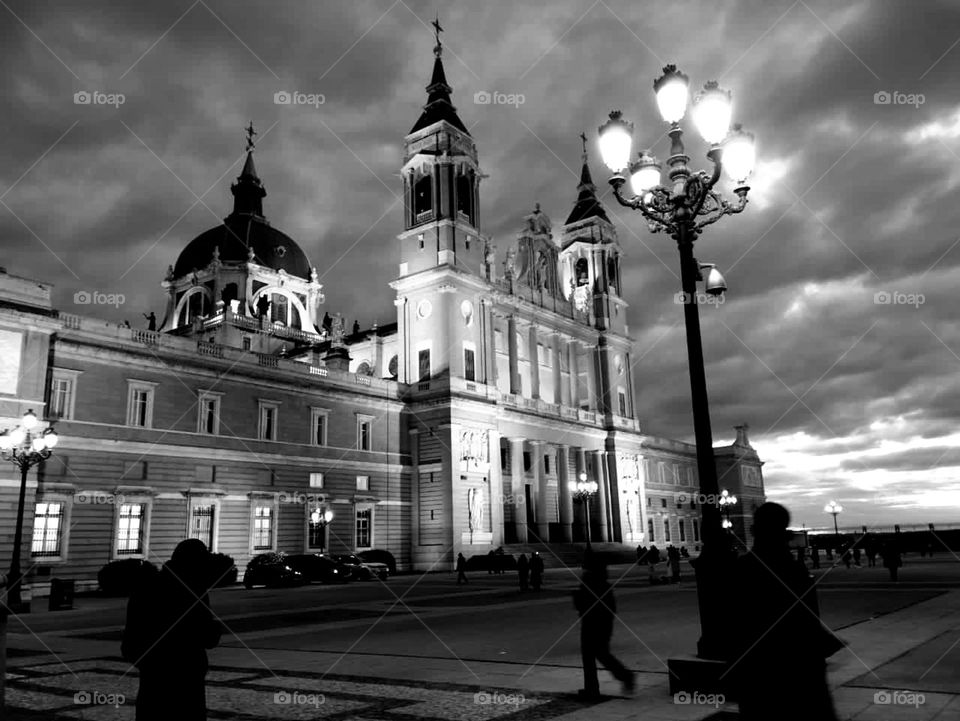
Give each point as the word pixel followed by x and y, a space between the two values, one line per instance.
pixel 425 215
pixel 209 349
pixel 423 386
pixel 270 361
pixel 70 321
pixel 147 337
pixel 318 371
pixel 362 379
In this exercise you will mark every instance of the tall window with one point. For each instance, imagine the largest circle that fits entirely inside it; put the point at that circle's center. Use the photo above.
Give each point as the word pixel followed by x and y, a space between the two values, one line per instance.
pixel 650 530
pixel 364 431
pixel 465 194
pixel 364 527
pixel 696 530
pixel 623 403
pixel 140 404
pixel 682 527
pixel 318 426
pixel 268 421
pixel 316 480
pixel 47 529
pixel 666 530
pixel 422 196
pixel 424 360
pixel 130 528
pixel 262 528
pixel 316 530
pixel 208 421
pixel 61 397
pixel 202 523
pixel 469 369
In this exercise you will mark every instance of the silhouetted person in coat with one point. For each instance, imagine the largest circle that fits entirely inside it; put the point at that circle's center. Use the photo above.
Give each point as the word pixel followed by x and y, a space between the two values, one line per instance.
pixel 891 559
pixel 815 557
pixel 461 569
pixel 151 320
pixel 356 327
pixel 523 571
pixel 673 557
pixel 777 660
pixel 597 607
pixel 536 570
pixel 169 628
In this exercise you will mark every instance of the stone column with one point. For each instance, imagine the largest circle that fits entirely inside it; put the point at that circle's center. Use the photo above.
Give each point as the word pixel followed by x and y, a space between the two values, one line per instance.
pixel 534 362
pixel 599 469
pixel 491 342
pixel 563 487
pixel 496 487
pixel 573 349
pixel 590 362
pixel 512 350
pixel 540 483
pixel 557 372
pixel 517 489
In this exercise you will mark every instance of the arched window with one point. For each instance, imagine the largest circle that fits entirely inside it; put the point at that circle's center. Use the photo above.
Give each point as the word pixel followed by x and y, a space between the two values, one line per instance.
pixel 465 194
pixel 581 270
pixel 364 369
pixel 422 196
pixel 612 274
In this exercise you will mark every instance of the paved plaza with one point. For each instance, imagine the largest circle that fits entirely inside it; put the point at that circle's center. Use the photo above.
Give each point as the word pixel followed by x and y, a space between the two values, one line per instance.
pixel 424 648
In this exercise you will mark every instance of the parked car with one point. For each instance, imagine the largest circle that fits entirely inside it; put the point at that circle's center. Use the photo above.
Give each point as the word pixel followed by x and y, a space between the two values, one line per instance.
pixel 318 568
pixel 365 570
pixel 271 570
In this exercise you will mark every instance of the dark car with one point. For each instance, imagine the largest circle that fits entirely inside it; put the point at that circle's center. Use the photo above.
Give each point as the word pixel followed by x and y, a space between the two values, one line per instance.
pixel 365 570
pixel 317 568
pixel 271 570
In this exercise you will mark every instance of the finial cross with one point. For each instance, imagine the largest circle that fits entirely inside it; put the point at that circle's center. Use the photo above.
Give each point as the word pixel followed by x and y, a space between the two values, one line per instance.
pixel 250 133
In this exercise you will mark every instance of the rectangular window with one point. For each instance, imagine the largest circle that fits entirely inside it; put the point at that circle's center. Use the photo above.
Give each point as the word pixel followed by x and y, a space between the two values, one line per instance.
pixel 364 429
pixel 666 530
pixel 246 342
pixel 316 480
pixel 651 538
pixel 262 528
pixel 208 421
pixel 663 503
pixel 504 457
pixel 546 463
pixel 676 474
pixel 61 398
pixel 696 530
pixel 201 524
pixel 363 483
pixel 424 360
pixel 316 530
pixel 469 369
pixel 130 528
pixel 140 404
pixel 318 426
pixel 682 527
pixel 268 421
pixel 623 403
pixel 364 527
pixel 649 501
pixel 47 529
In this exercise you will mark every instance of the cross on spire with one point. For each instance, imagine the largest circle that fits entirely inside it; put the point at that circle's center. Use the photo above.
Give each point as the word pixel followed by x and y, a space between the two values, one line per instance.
pixel 250 133
pixel 583 137
pixel 436 32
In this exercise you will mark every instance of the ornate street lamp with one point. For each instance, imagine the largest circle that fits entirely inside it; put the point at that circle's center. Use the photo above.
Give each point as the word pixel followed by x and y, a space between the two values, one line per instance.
pixel 726 501
pixel 836 509
pixel 583 491
pixel 321 519
pixel 682 207
pixel 25 448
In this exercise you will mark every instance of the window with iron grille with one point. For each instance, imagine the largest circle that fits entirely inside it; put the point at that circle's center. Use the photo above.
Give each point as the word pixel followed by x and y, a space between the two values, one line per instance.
pixel 60 397
pixel 47 529
pixel 201 524
pixel 130 528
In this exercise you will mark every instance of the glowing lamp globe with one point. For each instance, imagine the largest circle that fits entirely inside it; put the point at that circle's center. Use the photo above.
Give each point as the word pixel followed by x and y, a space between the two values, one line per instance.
pixel 50 439
pixel 30 420
pixel 616 137
pixel 712 111
pixel 672 93
pixel 644 174
pixel 739 155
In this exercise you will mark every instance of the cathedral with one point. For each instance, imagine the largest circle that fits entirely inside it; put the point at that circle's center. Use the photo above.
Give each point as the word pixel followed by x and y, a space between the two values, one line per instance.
pixel 250 417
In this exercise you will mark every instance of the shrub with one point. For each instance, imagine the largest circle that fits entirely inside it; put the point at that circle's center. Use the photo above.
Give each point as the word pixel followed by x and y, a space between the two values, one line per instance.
pixel 223 570
pixel 378 555
pixel 120 578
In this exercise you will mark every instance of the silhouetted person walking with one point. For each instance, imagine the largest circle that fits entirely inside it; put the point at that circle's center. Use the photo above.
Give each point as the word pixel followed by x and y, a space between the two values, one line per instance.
pixel 815 556
pixel 536 570
pixel 523 571
pixel 597 607
pixel 461 569
pixel 169 628
pixel 891 559
pixel 673 557
pixel 777 660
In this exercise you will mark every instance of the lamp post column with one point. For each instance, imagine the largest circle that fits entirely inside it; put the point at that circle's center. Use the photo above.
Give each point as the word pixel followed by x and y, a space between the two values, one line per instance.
pixel 16 575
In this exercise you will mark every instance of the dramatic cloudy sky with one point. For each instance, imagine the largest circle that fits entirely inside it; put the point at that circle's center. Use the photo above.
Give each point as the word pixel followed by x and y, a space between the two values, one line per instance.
pixel 847 398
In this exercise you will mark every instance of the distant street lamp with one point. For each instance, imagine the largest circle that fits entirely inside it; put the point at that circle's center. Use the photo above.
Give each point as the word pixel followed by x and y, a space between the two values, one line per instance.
pixel 836 509
pixel 681 208
pixel 25 448
pixel 726 501
pixel 321 519
pixel 583 490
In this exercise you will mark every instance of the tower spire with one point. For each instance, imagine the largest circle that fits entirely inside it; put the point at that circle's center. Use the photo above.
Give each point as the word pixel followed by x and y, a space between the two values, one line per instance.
pixel 439 106
pixel 587 205
pixel 248 191
pixel 438 49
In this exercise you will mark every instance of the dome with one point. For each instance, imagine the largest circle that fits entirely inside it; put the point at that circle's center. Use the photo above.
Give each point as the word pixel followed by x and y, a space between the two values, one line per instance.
pixel 271 248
